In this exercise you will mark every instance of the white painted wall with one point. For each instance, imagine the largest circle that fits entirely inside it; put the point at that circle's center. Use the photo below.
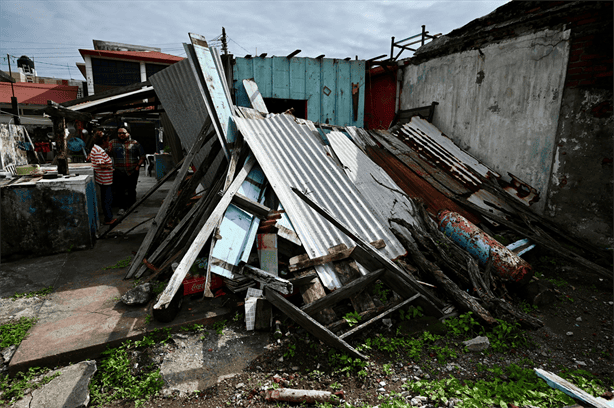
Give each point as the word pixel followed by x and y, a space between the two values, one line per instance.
pixel 500 105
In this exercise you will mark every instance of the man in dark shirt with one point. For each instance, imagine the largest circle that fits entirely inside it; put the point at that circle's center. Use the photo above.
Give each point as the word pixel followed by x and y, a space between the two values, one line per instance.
pixel 128 156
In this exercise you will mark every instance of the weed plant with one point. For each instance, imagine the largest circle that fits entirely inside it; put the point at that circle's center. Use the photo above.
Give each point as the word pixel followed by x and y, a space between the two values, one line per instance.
pixel 115 380
pixel 12 333
pixel 13 389
pixel 42 292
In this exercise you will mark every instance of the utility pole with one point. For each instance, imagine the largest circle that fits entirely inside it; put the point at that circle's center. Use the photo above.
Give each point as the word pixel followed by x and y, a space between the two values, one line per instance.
pixel 224 43
pixel 14 103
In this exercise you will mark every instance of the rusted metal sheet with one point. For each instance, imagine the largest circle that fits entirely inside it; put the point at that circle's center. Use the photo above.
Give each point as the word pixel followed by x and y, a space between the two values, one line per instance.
pixel 291 156
pixel 482 246
pixel 440 150
pixel 414 184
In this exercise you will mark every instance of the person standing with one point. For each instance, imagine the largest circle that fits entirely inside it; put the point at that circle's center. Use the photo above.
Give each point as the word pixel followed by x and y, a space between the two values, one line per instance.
pixel 103 174
pixel 128 156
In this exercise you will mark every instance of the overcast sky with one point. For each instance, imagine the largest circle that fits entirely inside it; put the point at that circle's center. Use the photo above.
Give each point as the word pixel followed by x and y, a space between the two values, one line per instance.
pixel 51 32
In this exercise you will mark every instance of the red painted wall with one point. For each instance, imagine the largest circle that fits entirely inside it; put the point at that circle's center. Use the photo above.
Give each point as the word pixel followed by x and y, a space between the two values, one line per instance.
pixel 380 97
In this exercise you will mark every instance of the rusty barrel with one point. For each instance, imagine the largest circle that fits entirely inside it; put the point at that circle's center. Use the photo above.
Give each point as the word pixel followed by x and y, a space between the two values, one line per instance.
pixel 506 264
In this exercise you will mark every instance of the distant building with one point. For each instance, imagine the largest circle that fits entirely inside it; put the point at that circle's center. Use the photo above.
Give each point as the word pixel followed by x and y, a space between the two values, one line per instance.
pixel 112 65
pixel 26 72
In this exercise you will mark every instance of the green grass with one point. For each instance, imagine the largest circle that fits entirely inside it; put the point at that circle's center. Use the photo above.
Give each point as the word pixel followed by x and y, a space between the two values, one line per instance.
pixel 27 295
pixel 12 333
pixel 120 264
pixel 115 380
pixel 13 389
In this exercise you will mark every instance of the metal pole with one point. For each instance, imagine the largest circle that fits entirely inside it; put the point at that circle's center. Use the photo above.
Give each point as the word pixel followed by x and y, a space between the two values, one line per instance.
pixel 391 47
pixel 423 34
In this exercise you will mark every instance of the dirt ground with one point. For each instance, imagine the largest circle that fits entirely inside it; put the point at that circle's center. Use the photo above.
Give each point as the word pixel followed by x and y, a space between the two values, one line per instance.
pixel 578 334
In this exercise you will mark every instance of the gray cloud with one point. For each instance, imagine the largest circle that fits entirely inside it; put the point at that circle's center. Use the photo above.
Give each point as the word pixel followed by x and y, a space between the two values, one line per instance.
pixel 52 31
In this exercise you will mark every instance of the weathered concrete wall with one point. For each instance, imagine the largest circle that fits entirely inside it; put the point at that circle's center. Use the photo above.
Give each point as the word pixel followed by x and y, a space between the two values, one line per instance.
pixel 500 103
pixel 49 216
pixel 10 153
pixel 580 196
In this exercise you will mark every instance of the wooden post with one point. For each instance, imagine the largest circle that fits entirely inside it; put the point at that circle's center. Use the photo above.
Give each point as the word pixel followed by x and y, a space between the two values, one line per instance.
pixel 59 126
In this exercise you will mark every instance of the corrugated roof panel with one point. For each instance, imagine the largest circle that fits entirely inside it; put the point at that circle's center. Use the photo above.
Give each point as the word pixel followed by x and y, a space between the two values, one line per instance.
pixel 384 196
pixel 180 93
pixel 291 157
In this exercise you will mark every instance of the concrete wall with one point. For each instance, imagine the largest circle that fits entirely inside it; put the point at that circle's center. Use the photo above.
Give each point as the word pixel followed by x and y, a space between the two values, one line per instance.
pixel 580 194
pixel 10 153
pixel 48 216
pixel 500 103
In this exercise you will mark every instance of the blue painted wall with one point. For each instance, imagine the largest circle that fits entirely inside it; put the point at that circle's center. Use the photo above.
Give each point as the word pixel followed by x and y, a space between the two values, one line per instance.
pixel 326 85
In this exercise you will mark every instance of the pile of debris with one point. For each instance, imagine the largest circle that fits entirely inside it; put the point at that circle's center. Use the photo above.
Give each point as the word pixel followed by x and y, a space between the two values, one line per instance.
pixel 304 216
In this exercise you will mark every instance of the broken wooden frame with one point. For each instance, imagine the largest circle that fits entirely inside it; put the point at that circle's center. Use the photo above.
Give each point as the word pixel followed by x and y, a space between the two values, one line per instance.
pixel 182 270
pixel 170 198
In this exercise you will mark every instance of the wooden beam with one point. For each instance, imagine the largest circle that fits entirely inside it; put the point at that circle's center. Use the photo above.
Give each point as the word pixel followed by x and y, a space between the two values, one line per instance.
pixel 310 324
pixel 563 252
pixel 303 279
pixel 170 198
pixel 253 207
pixel 378 317
pixel 281 285
pixel 344 292
pixel 145 197
pixel 106 94
pixel 398 279
pixel 186 263
pixel 301 262
pixel 293 53
pixel 57 110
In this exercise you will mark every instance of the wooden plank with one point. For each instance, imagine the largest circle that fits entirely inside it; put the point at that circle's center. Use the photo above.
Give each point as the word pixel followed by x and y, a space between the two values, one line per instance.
pixel 145 197
pixel 269 280
pixel 303 279
pixel 112 92
pixel 310 324
pixel 312 291
pixel 344 292
pixel 398 279
pixel 570 389
pixel 347 271
pixel 196 209
pixel 250 206
pixel 561 251
pixel 166 204
pixel 182 270
pixel 255 98
pixel 301 262
pixel 56 110
pixel 190 226
pixel 378 317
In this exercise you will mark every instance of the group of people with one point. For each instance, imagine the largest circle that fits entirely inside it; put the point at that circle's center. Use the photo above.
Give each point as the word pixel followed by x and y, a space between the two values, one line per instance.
pixel 116 171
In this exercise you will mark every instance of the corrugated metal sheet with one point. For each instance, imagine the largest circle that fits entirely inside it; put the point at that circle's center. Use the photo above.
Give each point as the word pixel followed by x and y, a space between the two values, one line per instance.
pixel 291 156
pixel 427 140
pixel 181 96
pixel 384 196
pixel 325 83
pixel 90 104
pixel 438 149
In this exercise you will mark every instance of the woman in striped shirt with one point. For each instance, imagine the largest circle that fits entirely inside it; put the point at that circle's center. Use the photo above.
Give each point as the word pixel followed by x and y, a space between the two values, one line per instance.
pixel 103 173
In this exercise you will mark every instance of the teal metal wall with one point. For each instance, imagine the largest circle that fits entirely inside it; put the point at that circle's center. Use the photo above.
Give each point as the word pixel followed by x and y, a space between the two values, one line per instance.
pixel 326 85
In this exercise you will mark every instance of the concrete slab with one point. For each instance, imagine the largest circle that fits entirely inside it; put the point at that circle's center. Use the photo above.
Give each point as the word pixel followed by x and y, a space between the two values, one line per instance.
pixel 68 390
pixel 84 314
pixel 201 363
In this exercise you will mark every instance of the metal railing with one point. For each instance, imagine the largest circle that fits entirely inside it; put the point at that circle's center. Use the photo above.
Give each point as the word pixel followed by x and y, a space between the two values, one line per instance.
pixel 421 38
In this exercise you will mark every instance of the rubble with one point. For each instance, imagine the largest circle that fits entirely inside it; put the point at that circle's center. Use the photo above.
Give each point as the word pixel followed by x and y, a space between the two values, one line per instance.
pixel 139 295
pixel 479 343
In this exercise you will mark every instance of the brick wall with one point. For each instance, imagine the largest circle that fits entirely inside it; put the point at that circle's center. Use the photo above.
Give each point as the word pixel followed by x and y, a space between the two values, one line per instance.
pixel 590 57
